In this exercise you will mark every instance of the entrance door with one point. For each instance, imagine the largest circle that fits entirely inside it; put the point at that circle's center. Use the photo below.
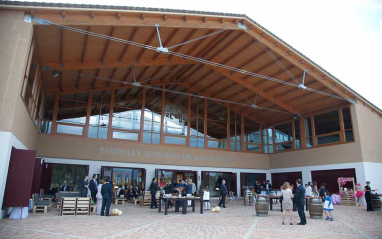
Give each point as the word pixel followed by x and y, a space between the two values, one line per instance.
pixel 179 176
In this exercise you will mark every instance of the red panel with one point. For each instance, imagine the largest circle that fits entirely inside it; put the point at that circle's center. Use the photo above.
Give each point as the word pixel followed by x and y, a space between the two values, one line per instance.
pixel 20 178
pixel 278 179
pixel 330 177
pixel 36 185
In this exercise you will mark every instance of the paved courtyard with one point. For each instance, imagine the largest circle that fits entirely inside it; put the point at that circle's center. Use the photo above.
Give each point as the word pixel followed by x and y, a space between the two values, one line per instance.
pixel 236 221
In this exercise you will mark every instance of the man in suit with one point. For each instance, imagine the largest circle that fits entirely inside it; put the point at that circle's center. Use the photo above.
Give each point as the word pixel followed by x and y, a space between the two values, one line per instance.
pixel 65 187
pixel 93 187
pixel 268 187
pixel 223 192
pixel 153 192
pixel 168 189
pixel 299 199
pixel 107 196
pixel 84 188
pixel 257 188
pixel 136 192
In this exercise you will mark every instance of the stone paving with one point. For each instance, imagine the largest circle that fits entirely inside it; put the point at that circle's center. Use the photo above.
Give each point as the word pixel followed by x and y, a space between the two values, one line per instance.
pixel 236 221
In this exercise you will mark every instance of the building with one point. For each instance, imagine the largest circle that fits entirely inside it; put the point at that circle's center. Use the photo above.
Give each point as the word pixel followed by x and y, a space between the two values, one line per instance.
pixel 94 90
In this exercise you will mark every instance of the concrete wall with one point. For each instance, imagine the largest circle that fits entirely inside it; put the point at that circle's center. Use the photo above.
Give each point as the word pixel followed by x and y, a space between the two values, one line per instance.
pixel 370 131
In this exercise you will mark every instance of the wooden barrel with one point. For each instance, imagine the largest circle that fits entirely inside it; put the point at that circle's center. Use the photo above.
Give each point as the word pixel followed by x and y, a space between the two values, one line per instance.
pixel 316 208
pixel 262 206
pixel 376 202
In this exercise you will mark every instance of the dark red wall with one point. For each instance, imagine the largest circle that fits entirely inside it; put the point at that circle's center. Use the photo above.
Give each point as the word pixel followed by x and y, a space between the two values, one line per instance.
pixel 278 179
pixel 258 177
pixel 330 177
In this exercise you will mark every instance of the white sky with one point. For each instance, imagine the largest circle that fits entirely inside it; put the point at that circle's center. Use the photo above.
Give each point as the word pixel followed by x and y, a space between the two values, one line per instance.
pixel 342 36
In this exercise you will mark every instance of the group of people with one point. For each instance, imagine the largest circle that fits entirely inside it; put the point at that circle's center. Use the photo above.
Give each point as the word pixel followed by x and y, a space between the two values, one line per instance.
pixel 130 193
pixel 184 188
pixel 65 187
pixel 298 198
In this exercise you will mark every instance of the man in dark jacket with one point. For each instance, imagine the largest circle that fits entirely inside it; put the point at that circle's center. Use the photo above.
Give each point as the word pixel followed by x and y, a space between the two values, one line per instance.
pixel 257 188
pixel 65 187
pixel 268 187
pixel 107 196
pixel 153 192
pixel 84 188
pixel 299 199
pixel 223 192
pixel 93 187
pixel 170 187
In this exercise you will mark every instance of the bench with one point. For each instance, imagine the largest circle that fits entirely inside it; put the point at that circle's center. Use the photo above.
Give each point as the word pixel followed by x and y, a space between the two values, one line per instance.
pixel 66 194
pixel 39 205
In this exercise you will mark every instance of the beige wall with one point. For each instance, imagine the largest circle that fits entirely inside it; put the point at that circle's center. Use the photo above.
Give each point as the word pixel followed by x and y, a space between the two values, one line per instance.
pixel 370 131
pixel 15 39
pixel 59 146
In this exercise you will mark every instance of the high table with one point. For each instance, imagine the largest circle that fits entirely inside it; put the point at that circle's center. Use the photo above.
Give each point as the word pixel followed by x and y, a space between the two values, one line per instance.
pixel 279 198
pixel 177 202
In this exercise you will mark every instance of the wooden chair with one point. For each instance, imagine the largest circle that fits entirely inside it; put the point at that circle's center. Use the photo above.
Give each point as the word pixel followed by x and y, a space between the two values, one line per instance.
pixel 248 200
pixel 146 198
pixel 83 205
pixel 38 205
pixel 45 197
pixel 68 206
pixel 119 200
pixel 66 194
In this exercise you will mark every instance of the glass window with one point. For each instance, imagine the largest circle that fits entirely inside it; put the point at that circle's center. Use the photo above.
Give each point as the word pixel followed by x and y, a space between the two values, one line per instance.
pixel 47 115
pixel 125 135
pixel 217 144
pixel 283 133
pixel 99 115
pixel 284 146
pixel 216 121
pixel 308 132
pixel 235 131
pixel 253 147
pixel 124 176
pixel 329 139
pixel 176 110
pixel 73 174
pixel 348 125
pixel 197 123
pixel 297 134
pixel 327 123
pixel 175 140
pixel 69 129
pixel 152 116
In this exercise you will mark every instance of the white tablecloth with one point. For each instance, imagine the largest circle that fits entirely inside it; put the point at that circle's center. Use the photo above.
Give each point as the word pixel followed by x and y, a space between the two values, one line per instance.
pixel 17 213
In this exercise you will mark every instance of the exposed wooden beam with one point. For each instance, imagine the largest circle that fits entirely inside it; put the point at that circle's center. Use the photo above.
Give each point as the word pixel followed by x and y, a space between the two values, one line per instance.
pixel 78 79
pixel 112 76
pixel 249 86
pixel 223 89
pixel 62 47
pixel 212 83
pixel 136 19
pixel 275 75
pixel 295 89
pixel 303 64
pixel 96 64
pixel 131 37
pixel 149 40
pixel 85 48
pixel 103 58
pixel 308 93
pixel 187 38
pixel 138 78
pixel 262 68
pixel 95 77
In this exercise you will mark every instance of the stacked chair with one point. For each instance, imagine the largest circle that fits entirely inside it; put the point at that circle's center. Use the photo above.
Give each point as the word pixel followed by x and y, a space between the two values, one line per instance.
pixel 75 206
pixel 40 205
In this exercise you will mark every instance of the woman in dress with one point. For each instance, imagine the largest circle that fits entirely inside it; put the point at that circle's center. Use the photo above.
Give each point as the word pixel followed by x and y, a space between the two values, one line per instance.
pixel 314 188
pixel 287 202
pixel 99 195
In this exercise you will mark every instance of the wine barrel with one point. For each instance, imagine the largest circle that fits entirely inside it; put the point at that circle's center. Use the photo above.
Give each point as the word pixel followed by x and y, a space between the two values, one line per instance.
pixel 376 202
pixel 262 206
pixel 316 208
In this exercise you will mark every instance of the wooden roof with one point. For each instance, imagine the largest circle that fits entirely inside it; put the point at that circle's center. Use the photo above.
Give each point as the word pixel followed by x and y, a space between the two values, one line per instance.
pixel 86 60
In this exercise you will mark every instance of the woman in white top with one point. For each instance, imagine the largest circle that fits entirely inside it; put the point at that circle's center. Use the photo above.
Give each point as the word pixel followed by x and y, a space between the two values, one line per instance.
pixel 206 199
pixel 99 196
pixel 287 202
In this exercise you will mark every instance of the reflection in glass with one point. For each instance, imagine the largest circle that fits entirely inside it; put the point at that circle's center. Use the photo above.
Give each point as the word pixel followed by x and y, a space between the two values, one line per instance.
pixel 73 174
pixel 125 135
pixel 152 116
pixel 283 132
pixel 175 140
pixel 329 139
pixel 327 123
pixel 69 129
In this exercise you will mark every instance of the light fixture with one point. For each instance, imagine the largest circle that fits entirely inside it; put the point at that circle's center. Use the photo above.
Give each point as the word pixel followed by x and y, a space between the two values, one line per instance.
pixel 55 73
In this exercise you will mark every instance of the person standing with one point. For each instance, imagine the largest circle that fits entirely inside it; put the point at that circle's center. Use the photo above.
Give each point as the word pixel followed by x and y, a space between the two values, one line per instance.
pixel 368 191
pixel 268 187
pixel 287 202
pixel 206 199
pixel 107 196
pixel 299 199
pixel 153 192
pixel 223 191
pixel 314 188
pixel 169 188
pixel 257 188
pixel 189 191
pixel 322 192
pixel 93 188
pixel 308 190
pixel 193 187
pixel 84 188
pixel 328 206
pixel 99 196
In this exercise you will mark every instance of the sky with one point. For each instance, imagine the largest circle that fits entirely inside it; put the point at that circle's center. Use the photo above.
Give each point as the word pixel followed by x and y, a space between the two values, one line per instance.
pixel 342 36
